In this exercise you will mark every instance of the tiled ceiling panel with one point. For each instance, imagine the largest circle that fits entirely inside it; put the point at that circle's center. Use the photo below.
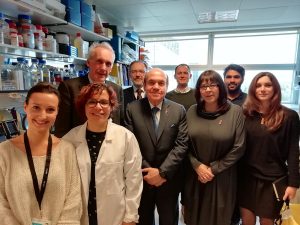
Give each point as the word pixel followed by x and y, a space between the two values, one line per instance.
pixel 149 17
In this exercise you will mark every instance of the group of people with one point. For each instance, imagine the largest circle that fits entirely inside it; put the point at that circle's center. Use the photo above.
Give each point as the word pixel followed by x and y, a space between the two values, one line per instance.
pixel 117 155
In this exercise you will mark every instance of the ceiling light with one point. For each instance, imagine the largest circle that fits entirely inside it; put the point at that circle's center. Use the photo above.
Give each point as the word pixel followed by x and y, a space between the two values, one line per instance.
pixel 218 16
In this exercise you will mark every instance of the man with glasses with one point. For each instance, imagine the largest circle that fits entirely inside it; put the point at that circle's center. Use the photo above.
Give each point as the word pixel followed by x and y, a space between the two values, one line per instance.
pixel 137 70
pixel 100 62
pixel 234 78
pixel 183 94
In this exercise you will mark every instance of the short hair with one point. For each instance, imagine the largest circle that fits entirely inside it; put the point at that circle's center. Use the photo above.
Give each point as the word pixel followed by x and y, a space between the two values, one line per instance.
pixel 138 61
pixel 235 67
pixel 89 91
pixel 146 75
pixel 42 87
pixel 211 76
pixel 104 45
pixel 183 64
pixel 275 115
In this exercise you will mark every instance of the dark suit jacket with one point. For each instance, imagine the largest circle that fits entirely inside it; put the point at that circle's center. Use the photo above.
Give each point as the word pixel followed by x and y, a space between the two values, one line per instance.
pixel 68 117
pixel 128 94
pixel 168 149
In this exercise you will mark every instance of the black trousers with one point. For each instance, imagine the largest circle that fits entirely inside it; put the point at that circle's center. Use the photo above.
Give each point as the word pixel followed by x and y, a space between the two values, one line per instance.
pixel 165 198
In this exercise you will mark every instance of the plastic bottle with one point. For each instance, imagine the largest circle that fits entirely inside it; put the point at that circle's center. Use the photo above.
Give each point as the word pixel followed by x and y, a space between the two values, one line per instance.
pixel 14 40
pixel 36 74
pixel 73 72
pixel 45 71
pixel 66 73
pixel 4 28
pixel 28 37
pixel 20 38
pixel 38 42
pixel 27 76
pixel 17 74
pixel 78 43
pixel 50 44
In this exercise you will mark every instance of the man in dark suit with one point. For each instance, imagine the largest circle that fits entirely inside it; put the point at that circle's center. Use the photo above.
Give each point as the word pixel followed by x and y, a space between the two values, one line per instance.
pixel 137 70
pixel 161 130
pixel 100 62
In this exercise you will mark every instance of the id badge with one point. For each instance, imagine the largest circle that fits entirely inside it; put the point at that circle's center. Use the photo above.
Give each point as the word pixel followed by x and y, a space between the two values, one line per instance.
pixel 40 222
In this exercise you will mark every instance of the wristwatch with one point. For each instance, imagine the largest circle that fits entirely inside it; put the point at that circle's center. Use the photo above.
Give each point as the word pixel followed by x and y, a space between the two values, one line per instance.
pixel 162 174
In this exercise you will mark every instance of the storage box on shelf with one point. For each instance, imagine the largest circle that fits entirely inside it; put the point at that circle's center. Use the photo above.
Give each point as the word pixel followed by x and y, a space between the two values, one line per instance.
pixel 11 8
pixel 126 49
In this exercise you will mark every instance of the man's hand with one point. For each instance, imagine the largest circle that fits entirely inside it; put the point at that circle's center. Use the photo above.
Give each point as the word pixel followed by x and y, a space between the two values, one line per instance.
pixel 152 177
pixel 204 173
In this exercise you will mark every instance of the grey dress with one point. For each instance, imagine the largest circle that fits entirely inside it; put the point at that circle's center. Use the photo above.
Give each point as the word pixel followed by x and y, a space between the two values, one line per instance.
pixel 219 143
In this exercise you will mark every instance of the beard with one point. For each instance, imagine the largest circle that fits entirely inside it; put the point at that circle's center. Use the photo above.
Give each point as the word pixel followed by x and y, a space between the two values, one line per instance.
pixel 234 91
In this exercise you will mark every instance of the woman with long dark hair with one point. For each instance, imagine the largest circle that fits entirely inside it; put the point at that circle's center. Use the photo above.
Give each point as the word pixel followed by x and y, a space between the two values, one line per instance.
pixel 272 151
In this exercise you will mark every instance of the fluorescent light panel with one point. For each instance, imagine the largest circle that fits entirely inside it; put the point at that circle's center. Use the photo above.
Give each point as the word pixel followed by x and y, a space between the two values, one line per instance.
pixel 218 16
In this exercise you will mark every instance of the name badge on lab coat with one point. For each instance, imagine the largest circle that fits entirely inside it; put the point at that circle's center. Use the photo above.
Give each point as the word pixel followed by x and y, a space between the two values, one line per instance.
pixel 40 222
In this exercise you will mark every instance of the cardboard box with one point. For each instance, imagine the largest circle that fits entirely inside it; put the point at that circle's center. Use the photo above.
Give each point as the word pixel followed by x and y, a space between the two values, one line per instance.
pixel 107 32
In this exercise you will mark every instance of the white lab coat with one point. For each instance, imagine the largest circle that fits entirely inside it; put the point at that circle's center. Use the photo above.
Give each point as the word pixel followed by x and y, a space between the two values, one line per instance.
pixel 118 175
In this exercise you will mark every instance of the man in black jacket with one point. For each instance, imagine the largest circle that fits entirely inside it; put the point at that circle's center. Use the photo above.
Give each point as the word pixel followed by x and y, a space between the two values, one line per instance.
pixel 161 130
pixel 100 62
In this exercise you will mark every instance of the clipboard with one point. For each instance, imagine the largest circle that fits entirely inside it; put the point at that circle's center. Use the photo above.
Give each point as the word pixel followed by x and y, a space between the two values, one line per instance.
pixel 279 187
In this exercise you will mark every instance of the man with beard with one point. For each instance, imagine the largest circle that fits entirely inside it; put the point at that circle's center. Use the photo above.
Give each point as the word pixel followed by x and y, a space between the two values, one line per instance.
pixel 233 78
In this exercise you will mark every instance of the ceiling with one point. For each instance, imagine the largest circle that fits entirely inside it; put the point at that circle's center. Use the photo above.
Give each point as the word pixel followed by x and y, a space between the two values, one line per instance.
pixel 152 17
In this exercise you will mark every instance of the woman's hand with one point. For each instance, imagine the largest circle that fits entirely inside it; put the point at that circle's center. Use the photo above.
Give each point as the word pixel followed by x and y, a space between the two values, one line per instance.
pixel 290 193
pixel 204 173
pixel 131 223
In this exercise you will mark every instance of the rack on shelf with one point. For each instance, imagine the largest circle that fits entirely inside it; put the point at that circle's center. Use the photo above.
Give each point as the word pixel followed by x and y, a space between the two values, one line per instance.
pixel 12 8
pixel 118 42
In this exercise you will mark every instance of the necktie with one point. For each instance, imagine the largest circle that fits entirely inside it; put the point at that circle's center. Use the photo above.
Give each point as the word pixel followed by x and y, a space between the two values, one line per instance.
pixel 154 111
pixel 139 93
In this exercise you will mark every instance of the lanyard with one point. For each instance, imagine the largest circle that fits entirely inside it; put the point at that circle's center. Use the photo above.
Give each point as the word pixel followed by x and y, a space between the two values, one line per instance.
pixel 39 194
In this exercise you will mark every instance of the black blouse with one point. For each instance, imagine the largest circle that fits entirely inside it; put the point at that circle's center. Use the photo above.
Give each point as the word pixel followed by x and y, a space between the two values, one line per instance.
pixel 270 155
pixel 94 142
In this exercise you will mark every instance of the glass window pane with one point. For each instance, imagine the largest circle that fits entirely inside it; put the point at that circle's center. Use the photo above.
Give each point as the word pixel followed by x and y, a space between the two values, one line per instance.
pixel 176 52
pixel 255 49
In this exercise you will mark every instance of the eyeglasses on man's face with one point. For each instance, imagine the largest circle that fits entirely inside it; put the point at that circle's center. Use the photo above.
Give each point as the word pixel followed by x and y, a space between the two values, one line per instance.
pixel 137 71
pixel 204 87
pixel 93 103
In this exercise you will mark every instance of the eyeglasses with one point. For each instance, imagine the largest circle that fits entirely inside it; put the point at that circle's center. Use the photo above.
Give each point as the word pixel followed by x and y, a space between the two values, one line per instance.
pixel 210 86
pixel 138 71
pixel 92 103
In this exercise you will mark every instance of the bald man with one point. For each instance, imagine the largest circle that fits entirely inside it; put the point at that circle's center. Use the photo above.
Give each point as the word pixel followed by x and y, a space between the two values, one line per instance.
pixel 161 130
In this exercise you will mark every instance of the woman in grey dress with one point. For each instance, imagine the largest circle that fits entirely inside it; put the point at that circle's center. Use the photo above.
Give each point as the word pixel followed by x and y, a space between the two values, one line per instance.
pixel 216 131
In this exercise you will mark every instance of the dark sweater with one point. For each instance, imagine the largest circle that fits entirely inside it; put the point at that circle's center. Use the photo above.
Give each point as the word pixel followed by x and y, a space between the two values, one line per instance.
pixel 186 99
pixel 270 155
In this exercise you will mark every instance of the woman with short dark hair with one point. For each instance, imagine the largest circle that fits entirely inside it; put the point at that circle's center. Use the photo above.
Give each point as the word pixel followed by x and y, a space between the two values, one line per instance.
pixel 109 160
pixel 216 131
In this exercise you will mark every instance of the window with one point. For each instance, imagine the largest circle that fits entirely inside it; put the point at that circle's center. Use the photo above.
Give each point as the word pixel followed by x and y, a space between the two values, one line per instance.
pixel 255 49
pixel 275 52
pixel 177 52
